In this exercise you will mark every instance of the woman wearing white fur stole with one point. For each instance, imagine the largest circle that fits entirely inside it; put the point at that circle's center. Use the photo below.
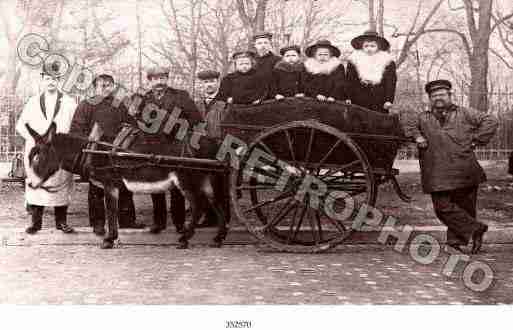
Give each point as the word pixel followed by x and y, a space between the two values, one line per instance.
pixel 371 73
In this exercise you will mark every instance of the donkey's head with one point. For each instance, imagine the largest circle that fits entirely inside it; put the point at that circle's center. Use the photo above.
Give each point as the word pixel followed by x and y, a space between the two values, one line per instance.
pixel 43 158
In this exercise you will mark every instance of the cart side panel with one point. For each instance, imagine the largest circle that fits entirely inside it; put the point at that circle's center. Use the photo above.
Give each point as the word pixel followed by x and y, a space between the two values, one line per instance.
pixel 247 121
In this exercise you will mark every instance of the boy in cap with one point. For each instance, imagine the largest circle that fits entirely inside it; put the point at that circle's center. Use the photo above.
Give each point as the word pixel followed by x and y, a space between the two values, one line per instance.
pixel 210 108
pixel 265 59
pixel 325 76
pixel 244 86
pixel 288 74
pixel 446 136
pixel 371 73
pixel 51 106
pixel 109 113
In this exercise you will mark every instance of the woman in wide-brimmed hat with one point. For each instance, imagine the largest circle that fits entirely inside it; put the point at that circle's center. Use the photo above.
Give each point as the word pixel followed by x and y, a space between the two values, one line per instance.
pixel 371 73
pixel 324 78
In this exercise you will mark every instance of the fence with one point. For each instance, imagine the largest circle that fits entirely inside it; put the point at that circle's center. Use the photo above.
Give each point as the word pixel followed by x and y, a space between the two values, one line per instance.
pixel 501 104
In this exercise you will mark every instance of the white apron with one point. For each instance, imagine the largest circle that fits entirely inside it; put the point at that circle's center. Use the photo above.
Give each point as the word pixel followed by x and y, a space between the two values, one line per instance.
pixel 33 115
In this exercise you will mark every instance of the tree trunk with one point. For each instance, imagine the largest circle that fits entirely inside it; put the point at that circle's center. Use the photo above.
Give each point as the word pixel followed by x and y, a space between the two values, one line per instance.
pixel 478 92
pixel 372 17
pixel 480 34
pixel 380 17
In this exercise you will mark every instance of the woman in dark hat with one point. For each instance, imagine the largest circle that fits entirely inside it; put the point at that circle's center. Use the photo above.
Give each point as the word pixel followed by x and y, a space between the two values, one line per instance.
pixel 324 77
pixel 243 86
pixel 288 74
pixel 371 73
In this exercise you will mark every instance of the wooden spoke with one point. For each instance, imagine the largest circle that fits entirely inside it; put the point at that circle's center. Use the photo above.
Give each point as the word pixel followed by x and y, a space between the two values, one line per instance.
pixel 301 217
pixel 314 232
pixel 318 220
pixel 267 149
pixel 280 197
pixel 291 226
pixel 344 167
pixel 281 214
pixel 291 147
pixel 261 171
pixel 257 187
pixel 339 225
pixel 326 156
pixel 347 186
pixel 310 143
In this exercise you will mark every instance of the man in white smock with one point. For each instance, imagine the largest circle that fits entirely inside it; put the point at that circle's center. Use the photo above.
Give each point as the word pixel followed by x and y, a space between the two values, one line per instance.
pixel 39 112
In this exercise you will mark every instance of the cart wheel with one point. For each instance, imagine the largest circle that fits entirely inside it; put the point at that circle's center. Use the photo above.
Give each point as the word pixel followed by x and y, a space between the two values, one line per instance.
pixel 302 184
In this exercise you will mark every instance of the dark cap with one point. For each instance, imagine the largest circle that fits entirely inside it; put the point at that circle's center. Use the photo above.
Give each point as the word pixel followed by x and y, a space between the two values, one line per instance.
pixel 244 53
pixel 157 71
pixel 266 35
pixel 208 74
pixel 103 76
pixel 438 84
pixel 295 48
pixel 322 44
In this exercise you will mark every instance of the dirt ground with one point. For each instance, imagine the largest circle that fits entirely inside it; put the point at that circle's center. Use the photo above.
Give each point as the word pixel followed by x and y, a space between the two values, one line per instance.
pixel 495 202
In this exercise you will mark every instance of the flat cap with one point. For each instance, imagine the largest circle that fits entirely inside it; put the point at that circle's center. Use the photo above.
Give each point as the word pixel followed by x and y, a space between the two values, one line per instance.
pixel 437 84
pixel 244 54
pixel 208 74
pixel 266 35
pixel 295 48
pixel 157 71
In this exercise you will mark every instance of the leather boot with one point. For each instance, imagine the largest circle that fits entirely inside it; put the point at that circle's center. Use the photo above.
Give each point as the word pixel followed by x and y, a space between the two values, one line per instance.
pixel 61 213
pixel 36 212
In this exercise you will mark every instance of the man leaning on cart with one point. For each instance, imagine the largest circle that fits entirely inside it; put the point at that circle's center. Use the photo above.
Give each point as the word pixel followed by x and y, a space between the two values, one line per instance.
pixel 446 136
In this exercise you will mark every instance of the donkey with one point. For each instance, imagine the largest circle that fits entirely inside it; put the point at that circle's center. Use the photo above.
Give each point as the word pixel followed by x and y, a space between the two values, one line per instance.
pixel 54 151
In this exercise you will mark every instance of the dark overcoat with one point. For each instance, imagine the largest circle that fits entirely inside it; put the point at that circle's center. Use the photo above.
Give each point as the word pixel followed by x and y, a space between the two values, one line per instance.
pixel 449 161
pixel 172 98
pixel 264 67
pixel 213 112
pixel 287 79
pixel 328 79
pixel 244 88
pixel 109 113
pixel 371 84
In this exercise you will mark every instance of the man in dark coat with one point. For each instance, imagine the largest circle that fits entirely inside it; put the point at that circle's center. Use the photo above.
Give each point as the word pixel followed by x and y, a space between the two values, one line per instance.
pixel 109 114
pixel 213 111
pixel 325 77
pixel 446 135
pixel 245 85
pixel 371 73
pixel 265 59
pixel 166 98
pixel 288 74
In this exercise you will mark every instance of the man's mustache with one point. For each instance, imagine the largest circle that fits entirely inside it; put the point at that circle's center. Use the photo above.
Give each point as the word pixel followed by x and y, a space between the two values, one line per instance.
pixel 160 86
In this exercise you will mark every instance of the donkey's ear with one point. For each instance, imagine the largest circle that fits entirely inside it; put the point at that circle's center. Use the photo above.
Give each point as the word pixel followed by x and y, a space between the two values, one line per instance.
pixel 50 134
pixel 35 135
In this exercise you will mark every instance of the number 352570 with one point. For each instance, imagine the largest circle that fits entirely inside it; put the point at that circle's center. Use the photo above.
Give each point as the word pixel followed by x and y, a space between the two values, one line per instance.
pixel 238 325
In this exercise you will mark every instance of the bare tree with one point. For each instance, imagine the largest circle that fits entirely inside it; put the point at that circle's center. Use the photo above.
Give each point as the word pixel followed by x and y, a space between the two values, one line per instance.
pixel 252 14
pixel 475 41
pixel 35 16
